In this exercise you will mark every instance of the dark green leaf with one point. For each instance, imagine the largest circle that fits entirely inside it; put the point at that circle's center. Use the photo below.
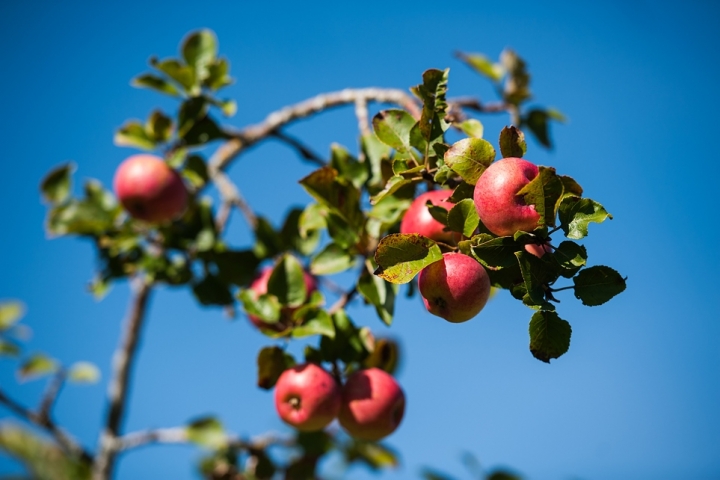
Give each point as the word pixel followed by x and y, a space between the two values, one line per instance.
pixel 461 192
pixel 348 166
pixel 10 312
pixel 287 282
pixel 439 214
pixel 271 363
pixel 384 355
pixel 537 122
pixel 463 217
pixel 374 455
pixel 576 214
pixel 378 292
pixel 335 193
pixel 375 152
pixel 204 131
pixel 401 256
pixel 518 80
pixel 428 474
pixel 218 75
pixel 549 336
pixel 469 158
pixel 332 259
pixel 37 366
pixel 196 171
pixel 56 185
pixel 571 257
pixel 267 241
pixel 495 252
pixel 392 127
pixel 159 127
pixel 432 93
pixel 596 285
pixel 536 274
pixel 503 475
pixel 156 83
pixel 212 291
pixel 341 233
pixel 512 142
pixel 302 238
pixel 206 432
pixel 483 65
pixel 544 191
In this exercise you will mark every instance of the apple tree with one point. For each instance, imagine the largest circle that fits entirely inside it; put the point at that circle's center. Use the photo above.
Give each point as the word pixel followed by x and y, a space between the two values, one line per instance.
pixel 403 204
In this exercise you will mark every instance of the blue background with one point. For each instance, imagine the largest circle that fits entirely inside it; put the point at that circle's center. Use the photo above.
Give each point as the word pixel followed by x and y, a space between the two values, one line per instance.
pixel 636 396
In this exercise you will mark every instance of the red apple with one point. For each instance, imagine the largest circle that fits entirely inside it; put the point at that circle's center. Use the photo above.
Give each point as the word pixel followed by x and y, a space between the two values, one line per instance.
pixel 537 250
pixel 259 286
pixel 149 189
pixel 373 404
pixel 418 219
pixel 307 397
pixel 455 288
pixel 500 208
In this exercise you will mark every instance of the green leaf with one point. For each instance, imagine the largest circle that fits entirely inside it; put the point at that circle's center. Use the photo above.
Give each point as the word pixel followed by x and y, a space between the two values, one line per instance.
pixel 191 111
pixel 395 183
pixel 182 74
pixel 549 336
pixel 576 214
pixel 429 474
pixel 470 157
pixel 9 349
pixel 265 307
pixel 432 93
pixel 439 214
pixel 341 233
pixel 37 366
pixel 571 257
pixel 375 152
pixel 463 217
pixel 596 285
pixel 271 363
pixel 196 171
pixel 401 256
pixel 378 292
pixel 537 121
pixel 518 81
pixel 84 372
pixel 218 75
pixel 384 355
pixel 374 455
pixel 156 83
pixel 325 186
pixel 267 241
pixel 206 432
pixel 236 266
pixel 392 127
pixel 536 274
pixel 312 219
pixel 292 235
pixel 199 51
pixel 544 191
pixel 348 166
pixel 212 291
pixel 332 259
pixel 503 475
pixel 56 185
pixel 512 142
pixel 471 127
pixel 159 127
pixel 461 192
pixel 495 252
pixel 319 323
pixel 11 311
pixel 133 134
pixel 482 65
pixel 287 282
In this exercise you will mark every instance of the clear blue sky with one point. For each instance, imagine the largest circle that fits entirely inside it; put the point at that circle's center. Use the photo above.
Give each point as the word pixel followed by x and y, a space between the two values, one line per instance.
pixel 637 395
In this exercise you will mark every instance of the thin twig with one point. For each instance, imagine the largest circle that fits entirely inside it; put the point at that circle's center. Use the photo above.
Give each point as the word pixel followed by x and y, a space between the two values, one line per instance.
pixel 231 196
pixel 361 112
pixel 176 435
pixel 302 149
pixel 476 105
pixel 51 394
pixel 343 301
pixel 123 361
pixel 63 439
pixel 276 120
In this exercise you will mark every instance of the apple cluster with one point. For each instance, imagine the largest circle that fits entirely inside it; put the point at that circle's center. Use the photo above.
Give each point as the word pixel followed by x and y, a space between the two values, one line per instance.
pixel 369 405
pixel 457 287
